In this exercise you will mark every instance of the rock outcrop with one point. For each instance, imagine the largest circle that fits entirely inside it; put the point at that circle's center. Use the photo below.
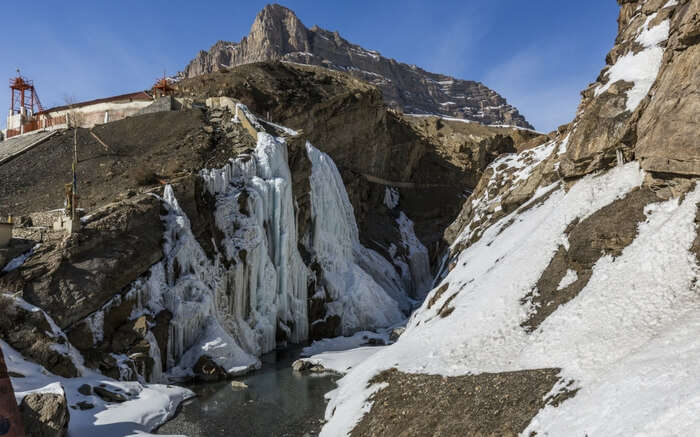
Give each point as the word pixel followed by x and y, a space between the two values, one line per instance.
pixel 75 276
pixel 28 331
pixel 645 103
pixel 278 35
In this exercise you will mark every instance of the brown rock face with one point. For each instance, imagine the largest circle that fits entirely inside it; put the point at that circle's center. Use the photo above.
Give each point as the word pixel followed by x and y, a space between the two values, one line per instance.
pixel 73 277
pixel 432 162
pixel 277 34
pixel 45 415
pixel 667 131
pixel 29 333
pixel 662 130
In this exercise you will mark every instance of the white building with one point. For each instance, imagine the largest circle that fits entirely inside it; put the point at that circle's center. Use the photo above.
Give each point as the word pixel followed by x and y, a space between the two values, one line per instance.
pixel 83 114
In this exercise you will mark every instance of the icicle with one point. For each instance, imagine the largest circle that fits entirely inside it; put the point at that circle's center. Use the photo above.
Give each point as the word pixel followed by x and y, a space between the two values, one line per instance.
pixel 418 258
pixel 620 158
pixel 154 352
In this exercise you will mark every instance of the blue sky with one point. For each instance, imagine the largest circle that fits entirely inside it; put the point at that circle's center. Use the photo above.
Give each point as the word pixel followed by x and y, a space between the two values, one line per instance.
pixel 538 54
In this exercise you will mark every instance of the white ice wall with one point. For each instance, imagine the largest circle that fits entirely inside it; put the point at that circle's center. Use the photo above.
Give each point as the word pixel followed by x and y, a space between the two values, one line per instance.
pixel 357 297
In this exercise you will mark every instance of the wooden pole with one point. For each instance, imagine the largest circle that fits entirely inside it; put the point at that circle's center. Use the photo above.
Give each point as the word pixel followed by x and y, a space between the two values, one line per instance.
pixel 75 163
pixel 10 418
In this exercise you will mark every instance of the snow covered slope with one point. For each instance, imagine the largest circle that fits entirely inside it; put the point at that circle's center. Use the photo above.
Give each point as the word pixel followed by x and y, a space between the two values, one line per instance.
pixel 614 335
pixel 570 257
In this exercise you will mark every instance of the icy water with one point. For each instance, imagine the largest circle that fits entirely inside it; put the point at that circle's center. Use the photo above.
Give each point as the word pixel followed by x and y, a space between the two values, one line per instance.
pixel 277 402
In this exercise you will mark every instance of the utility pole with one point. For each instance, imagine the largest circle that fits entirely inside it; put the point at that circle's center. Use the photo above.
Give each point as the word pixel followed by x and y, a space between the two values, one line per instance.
pixel 74 191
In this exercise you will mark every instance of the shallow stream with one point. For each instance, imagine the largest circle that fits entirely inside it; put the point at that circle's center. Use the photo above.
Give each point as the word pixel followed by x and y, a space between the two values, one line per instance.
pixel 278 402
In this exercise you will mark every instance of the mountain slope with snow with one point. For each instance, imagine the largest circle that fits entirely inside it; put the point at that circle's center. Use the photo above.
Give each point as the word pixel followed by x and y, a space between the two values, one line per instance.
pixel 569 258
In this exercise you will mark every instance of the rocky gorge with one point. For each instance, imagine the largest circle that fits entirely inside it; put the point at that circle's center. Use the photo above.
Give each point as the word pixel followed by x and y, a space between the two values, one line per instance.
pixel 543 279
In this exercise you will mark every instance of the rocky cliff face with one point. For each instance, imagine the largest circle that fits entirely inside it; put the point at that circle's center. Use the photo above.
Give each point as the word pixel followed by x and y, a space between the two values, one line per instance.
pixel 644 104
pixel 430 162
pixel 277 34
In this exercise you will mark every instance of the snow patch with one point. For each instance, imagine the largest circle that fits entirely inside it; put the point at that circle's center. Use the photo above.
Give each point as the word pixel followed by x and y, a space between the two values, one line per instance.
pixel 569 278
pixel 640 68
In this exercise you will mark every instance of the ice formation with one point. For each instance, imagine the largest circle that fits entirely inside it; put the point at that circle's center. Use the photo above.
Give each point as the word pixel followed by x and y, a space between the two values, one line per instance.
pixel 391 197
pixel 233 306
pixel 357 296
pixel 255 210
pixel 418 259
pixel 233 313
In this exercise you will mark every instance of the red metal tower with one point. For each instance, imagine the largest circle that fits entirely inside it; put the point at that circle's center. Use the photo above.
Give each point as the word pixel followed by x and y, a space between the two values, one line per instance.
pixel 162 87
pixel 24 95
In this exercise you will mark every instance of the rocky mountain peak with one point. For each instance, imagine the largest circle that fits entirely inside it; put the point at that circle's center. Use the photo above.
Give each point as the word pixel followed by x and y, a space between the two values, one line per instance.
pixel 277 30
pixel 278 34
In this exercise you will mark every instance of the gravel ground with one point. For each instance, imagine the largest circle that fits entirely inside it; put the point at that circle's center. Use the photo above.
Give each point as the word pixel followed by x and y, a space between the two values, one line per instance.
pixel 488 404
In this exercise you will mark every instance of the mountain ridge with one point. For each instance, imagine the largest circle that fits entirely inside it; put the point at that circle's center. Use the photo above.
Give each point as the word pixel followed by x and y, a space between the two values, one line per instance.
pixel 277 34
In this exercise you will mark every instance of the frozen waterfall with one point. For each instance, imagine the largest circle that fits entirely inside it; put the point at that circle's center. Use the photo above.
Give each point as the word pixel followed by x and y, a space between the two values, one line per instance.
pixel 357 297
pixel 251 293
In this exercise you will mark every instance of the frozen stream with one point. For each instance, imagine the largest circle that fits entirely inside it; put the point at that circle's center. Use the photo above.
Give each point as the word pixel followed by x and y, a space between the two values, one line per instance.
pixel 277 402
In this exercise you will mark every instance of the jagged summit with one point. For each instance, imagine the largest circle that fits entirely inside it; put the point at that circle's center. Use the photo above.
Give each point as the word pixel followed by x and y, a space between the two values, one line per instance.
pixel 278 34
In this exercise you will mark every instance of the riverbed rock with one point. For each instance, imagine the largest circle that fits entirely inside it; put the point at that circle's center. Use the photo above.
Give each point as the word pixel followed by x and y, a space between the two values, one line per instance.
pixel 206 370
pixel 85 390
pixel 109 395
pixel 303 365
pixel 83 405
pixel 239 385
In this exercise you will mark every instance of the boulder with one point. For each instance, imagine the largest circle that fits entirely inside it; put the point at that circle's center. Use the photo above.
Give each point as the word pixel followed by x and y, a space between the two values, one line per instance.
pixel 307 366
pixel 206 370
pixel 239 385
pixel 301 365
pixel 83 405
pixel 45 415
pixel 85 390
pixel 396 333
pixel 109 396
